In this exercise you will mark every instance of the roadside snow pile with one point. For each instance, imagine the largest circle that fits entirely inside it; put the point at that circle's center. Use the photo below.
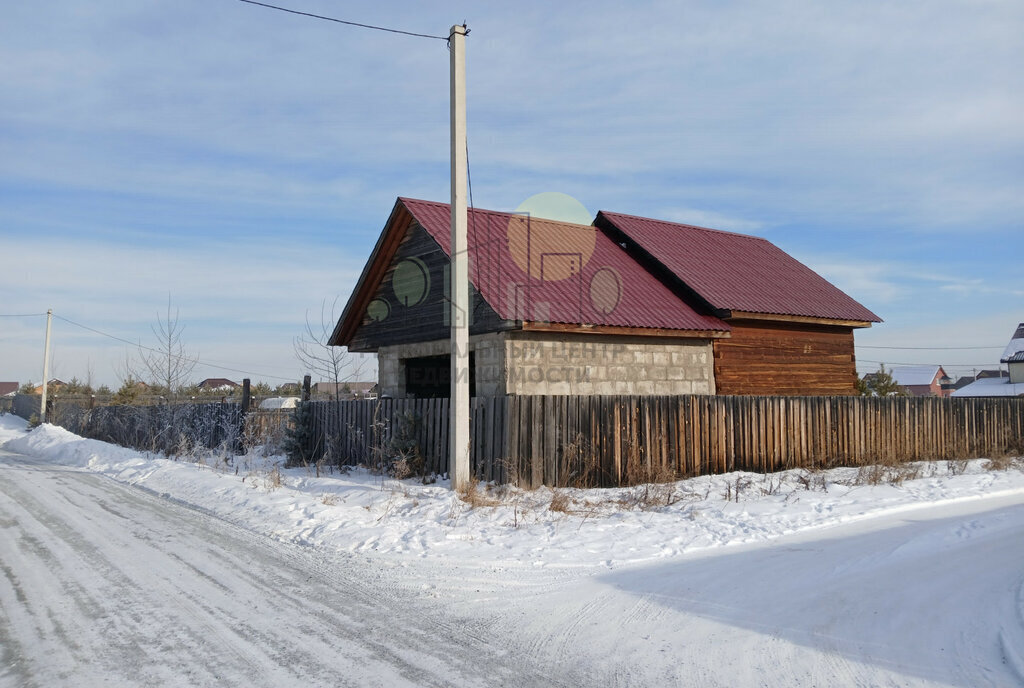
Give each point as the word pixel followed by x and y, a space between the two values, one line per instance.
pixel 361 512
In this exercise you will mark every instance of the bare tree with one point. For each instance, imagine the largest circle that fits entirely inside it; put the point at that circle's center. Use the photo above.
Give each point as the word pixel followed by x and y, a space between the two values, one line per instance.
pixel 167 363
pixel 333 364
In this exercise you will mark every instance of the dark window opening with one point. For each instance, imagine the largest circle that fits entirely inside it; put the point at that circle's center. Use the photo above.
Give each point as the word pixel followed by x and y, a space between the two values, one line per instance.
pixel 431 376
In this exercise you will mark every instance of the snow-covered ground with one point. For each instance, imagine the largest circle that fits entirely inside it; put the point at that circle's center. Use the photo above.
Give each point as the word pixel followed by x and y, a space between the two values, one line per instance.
pixel 801 578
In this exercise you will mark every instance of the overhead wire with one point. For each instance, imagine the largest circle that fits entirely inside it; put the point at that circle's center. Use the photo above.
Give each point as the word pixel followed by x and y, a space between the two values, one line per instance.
pixel 209 363
pixel 930 348
pixel 346 22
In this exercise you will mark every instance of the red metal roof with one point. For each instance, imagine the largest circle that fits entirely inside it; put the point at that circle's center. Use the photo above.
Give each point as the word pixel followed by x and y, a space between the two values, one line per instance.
pixel 532 269
pixel 738 272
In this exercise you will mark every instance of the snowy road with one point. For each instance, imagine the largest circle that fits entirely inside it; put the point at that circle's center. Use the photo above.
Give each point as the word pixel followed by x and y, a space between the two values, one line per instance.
pixel 107 584
pixel 104 584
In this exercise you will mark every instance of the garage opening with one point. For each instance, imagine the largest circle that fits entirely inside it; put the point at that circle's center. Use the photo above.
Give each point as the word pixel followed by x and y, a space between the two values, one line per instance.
pixel 430 377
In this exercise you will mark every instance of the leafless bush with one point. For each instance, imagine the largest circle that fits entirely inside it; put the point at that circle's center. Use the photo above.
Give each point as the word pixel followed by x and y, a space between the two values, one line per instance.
pixel 582 467
pixel 1003 463
pixel 560 501
pixel 887 471
pixel 957 466
pixel 733 490
pixel 472 494
pixel 812 479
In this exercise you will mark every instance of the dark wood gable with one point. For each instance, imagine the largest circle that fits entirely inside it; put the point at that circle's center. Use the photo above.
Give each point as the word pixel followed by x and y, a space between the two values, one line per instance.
pixel 411 302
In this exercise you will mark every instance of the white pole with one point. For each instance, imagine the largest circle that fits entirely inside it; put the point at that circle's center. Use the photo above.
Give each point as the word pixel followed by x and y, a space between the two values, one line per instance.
pixel 459 406
pixel 46 365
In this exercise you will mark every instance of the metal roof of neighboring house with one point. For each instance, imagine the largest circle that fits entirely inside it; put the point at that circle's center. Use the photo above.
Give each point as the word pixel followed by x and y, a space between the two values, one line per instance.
pixel 916 375
pixel 736 272
pixel 216 383
pixel 533 269
pixel 8 388
pixel 1015 347
pixel 991 387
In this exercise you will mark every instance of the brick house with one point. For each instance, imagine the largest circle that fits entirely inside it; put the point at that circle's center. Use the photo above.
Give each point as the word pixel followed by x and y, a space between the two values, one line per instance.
pixel 625 306
pixel 923 380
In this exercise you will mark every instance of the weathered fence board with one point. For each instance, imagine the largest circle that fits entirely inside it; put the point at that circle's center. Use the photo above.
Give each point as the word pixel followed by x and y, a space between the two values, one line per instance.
pixel 556 440
pixel 537 440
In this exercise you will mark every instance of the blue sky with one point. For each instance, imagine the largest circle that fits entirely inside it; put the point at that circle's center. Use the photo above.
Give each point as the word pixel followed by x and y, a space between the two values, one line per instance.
pixel 244 160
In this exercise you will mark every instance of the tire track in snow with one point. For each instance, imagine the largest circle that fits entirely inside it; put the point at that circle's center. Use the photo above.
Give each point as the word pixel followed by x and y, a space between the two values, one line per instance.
pixel 181 596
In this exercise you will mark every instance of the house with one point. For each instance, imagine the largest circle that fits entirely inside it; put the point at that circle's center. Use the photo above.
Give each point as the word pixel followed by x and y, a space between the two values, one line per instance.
pixel 791 331
pixel 624 306
pixel 217 384
pixel 1008 385
pixel 923 380
pixel 344 390
pixel 9 389
pixel 1013 356
pixel 965 380
pixel 52 387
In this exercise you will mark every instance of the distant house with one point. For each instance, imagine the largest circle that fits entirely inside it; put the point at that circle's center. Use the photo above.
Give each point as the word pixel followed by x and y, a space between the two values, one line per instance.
pixel 1013 356
pixel 628 305
pixel 53 386
pixel 1012 385
pixel 923 380
pixel 217 384
pixel 9 389
pixel 344 390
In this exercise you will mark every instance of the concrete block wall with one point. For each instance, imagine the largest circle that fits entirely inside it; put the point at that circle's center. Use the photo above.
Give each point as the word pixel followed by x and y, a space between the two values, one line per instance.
pixel 548 363
pixel 488 356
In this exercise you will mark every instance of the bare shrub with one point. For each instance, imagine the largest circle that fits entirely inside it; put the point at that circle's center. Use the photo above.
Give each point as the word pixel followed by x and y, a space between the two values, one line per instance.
pixel 1001 463
pixel 733 489
pixel 472 494
pixel 560 501
pixel 583 470
pixel 957 466
pixel 887 471
pixel 273 479
pixel 812 479
pixel 510 467
pixel 329 499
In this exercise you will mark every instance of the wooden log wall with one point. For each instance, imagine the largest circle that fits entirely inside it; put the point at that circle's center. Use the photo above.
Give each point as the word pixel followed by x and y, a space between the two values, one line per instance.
pixel 780 358
pixel 613 440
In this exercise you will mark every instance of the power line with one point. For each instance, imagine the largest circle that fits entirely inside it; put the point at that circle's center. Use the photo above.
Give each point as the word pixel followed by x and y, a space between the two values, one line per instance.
pixel 207 363
pixel 918 363
pixel 930 348
pixel 349 23
pixel 21 315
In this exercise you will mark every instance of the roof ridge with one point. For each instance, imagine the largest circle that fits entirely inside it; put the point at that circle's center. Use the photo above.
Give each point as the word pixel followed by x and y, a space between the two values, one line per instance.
pixel 686 225
pixel 502 213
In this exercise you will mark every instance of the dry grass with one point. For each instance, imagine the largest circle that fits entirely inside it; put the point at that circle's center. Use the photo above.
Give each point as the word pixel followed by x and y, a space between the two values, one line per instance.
pixel 957 466
pixel 273 479
pixel 812 479
pixel 583 468
pixel 472 494
pixel 560 502
pixel 1003 463
pixel 887 471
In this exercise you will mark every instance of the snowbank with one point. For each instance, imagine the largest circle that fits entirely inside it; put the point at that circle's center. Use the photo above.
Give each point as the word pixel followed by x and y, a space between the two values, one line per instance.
pixel 360 512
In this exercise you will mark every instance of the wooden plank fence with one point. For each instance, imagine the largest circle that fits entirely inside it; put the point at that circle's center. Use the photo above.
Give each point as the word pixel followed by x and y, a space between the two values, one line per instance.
pixel 613 440
pixel 599 440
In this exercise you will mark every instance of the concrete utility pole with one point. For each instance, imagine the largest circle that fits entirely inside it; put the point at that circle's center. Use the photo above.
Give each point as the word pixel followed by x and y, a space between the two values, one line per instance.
pixel 46 365
pixel 458 432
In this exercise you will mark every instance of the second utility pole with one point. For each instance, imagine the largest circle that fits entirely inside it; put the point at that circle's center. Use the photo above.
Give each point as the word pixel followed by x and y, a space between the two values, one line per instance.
pixel 458 431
